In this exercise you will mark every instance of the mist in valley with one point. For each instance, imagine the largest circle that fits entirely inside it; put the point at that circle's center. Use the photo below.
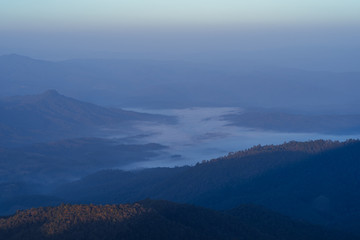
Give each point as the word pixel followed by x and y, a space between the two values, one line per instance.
pixel 210 104
pixel 204 134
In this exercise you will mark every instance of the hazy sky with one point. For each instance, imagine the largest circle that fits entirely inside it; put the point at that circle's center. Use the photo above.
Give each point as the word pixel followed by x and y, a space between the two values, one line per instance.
pixel 325 31
pixel 24 14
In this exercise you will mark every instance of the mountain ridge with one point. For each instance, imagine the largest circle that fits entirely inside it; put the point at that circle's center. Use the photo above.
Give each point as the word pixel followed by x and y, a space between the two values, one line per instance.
pixel 292 183
pixel 51 116
pixel 159 84
pixel 154 219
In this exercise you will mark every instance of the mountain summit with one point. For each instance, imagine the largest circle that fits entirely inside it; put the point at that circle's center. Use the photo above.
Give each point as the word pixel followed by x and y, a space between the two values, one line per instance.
pixel 52 116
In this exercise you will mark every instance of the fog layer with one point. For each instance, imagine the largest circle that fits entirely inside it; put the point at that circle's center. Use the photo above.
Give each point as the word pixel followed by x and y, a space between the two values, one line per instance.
pixel 203 134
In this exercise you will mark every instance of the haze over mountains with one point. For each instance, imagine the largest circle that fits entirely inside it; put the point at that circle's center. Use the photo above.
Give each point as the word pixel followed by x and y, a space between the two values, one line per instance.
pixel 51 116
pixel 56 149
pixel 180 120
pixel 49 163
pixel 295 122
pixel 169 84
pixel 50 137
pixel 314 181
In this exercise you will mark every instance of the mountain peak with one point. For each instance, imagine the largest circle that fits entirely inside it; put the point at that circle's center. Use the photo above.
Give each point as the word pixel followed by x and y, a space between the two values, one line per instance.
pixel 51 93
pixel 14 56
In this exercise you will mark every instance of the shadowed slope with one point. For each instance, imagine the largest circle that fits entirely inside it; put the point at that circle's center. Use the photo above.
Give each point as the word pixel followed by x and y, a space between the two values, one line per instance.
pixel 317 181
pixel 150 220
pixel 52 116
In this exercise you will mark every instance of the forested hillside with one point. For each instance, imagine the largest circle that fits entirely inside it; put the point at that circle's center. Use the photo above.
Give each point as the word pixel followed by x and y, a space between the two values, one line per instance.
pixel 316 181
pixel 158 220
pixel 188 183
pixel 67 159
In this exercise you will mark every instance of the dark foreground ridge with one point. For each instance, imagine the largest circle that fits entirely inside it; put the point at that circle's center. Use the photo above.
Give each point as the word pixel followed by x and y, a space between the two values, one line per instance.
pixel 150 219
pixel 317 181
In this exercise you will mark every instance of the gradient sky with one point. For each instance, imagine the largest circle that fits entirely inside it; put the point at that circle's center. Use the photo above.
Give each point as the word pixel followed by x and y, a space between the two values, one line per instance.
pixel 25 14
pixel 313 34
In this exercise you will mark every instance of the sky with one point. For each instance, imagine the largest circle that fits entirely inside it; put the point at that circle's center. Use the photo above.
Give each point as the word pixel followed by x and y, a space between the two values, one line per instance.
pixel 92 14
pixel 186 30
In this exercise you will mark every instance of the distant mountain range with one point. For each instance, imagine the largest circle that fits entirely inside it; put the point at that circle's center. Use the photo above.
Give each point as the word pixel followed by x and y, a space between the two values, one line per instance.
pixel 56 149
pixel 172 84
pixel 158 220
pixel 51 116
pixel 290 122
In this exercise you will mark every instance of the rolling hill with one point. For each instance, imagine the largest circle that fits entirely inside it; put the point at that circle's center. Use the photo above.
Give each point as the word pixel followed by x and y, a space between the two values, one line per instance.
pixel 316 181
pixel 59 161
pixel 51 116
pixel 150 219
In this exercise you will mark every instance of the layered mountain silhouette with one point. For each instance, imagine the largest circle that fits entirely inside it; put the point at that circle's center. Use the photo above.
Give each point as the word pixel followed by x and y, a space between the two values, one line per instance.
pixel 150 219
pixel 316 181
pixel 186 183
pixel 169 84
pixel 291 122
pixel 68 159
pixel 52 116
